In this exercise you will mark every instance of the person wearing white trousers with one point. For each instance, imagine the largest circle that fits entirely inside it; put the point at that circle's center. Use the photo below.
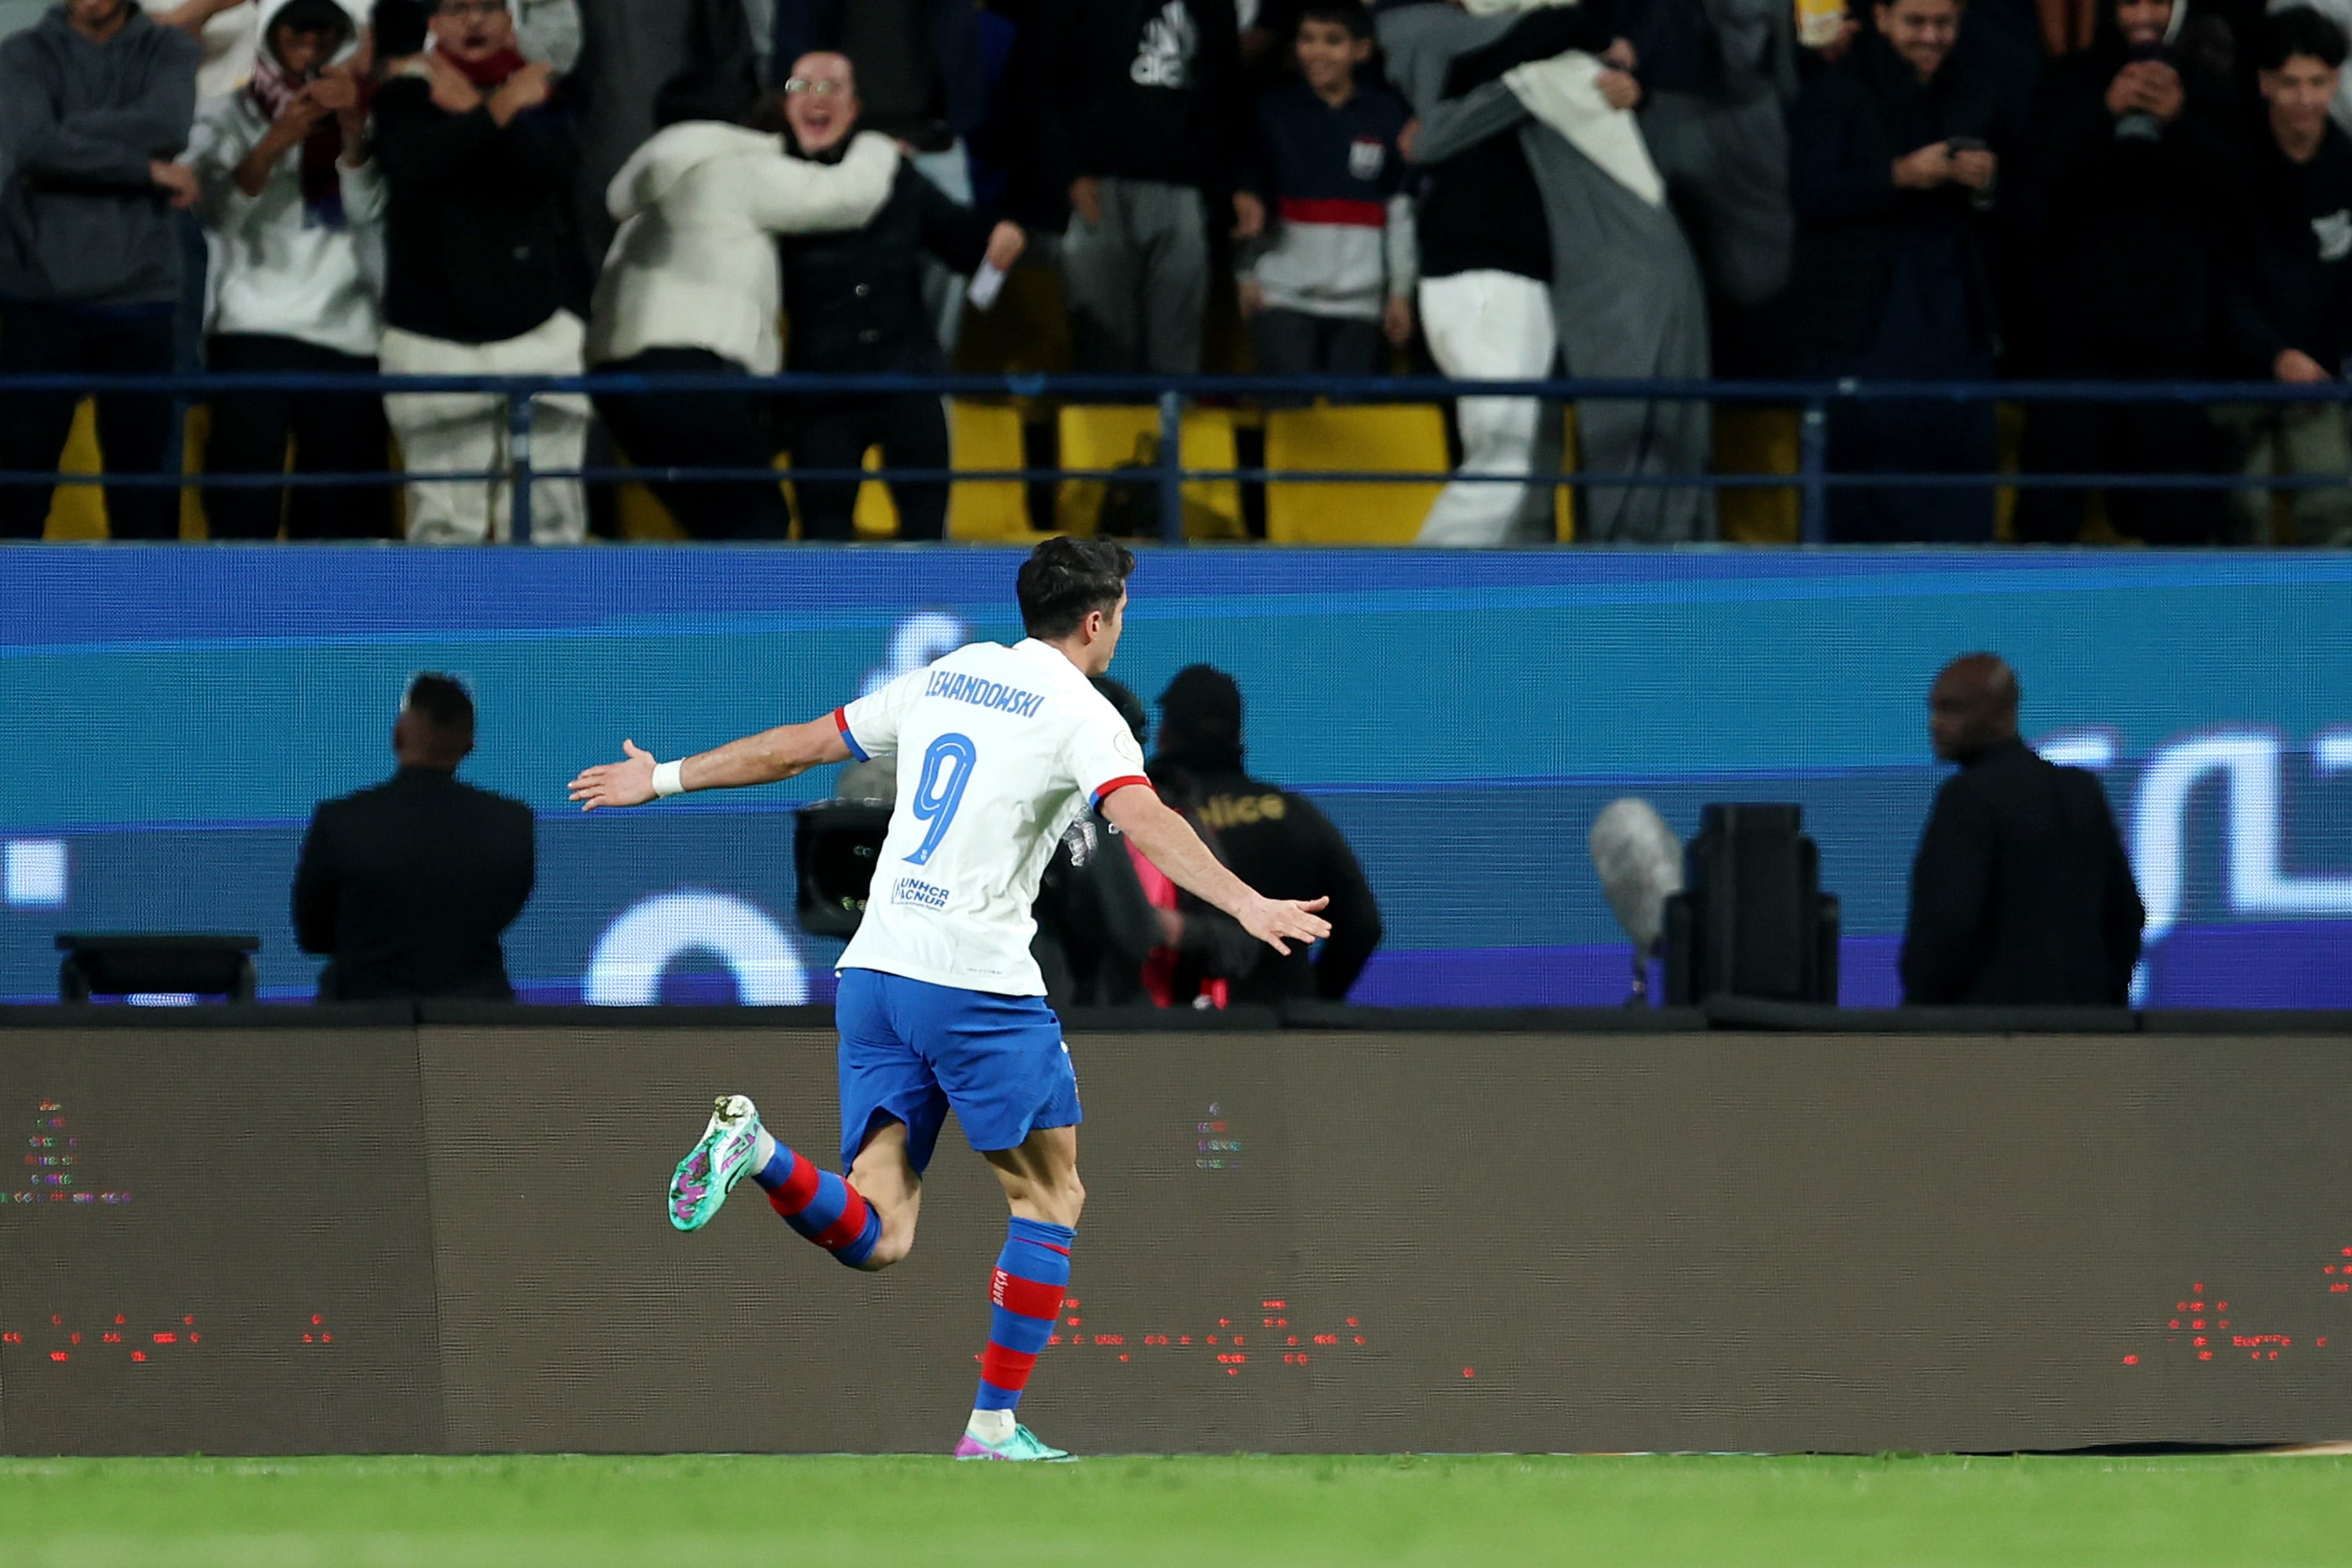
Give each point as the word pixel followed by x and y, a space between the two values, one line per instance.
pixel 1490 325
pixel 467 432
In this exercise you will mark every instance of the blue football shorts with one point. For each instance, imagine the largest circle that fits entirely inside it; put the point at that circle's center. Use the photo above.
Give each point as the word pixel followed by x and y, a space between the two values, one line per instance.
pixel 911 1051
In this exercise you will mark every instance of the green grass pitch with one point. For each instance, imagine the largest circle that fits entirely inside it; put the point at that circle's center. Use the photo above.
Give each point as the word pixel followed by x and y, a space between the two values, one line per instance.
pixel 2209 1511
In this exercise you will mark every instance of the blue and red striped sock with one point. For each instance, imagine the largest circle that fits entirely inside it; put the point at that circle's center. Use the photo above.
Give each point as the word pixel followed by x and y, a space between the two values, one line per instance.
pixel 821 1205
pixel 1025 1294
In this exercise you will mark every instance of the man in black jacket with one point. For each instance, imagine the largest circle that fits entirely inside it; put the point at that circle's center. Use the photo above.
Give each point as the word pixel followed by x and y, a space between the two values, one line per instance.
pixel 2134 162
pixel 854 305
pixel 2291 311
pixel 2021 895
pixel 405 887
pixel 1894 156
pixel 1267 834
pixel 483 272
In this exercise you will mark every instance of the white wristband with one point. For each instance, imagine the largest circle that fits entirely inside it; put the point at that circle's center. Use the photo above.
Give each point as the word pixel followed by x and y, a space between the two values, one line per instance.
pixel 666 779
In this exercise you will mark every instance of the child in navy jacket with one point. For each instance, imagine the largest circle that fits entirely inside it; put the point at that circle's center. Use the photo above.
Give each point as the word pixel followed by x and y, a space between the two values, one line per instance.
pixel 1327 283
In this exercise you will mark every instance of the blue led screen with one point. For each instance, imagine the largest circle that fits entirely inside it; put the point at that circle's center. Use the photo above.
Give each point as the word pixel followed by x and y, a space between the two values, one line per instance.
pixel 175 714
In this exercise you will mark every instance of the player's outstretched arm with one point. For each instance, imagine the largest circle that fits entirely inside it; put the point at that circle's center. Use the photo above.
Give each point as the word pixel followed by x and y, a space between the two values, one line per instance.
pixel 1170 843
pixel 764 758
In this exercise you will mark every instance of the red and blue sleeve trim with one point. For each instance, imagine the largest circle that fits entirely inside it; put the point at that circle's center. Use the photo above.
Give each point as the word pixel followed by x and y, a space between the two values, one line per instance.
pixel 841 722
pixel 1116 784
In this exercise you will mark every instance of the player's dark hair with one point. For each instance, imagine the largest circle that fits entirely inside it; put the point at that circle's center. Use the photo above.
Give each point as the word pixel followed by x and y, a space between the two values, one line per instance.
pixel 1065 580
pixel 442 706
pixel 2298 31
pixel 1348 14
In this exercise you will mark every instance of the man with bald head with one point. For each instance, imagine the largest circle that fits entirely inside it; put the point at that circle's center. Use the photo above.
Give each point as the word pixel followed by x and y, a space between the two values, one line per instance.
pixel 2022 894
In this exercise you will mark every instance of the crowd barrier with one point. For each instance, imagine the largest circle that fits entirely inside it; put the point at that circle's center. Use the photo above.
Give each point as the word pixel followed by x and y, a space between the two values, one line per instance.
pixel 292 1230
pixel 1812 476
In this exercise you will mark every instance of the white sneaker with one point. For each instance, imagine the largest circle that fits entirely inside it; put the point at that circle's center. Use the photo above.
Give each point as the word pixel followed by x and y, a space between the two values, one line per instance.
pixel 710 1170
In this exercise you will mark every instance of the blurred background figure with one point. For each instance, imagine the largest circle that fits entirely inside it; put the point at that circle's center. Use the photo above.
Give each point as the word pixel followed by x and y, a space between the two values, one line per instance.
pixel 692 286
pixel 96 102
pixel 1143 132
pixel 485 276
pixel 2021 895
pixel 1269 836
pixel 1895 152
pixel 2133 208
pixel 406 887
pixel 295 204
pixel 2291 314
pixel 1328 286
pixel 855 305
pixel 922 75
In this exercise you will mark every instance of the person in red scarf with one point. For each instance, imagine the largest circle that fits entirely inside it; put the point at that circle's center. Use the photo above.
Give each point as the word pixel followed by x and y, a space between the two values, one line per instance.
pixel 295 207
pixel 485 274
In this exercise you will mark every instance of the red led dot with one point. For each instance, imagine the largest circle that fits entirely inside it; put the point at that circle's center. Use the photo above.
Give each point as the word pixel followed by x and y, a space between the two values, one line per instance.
pixel 1360 1339
pixel 188 1320
pixel 2204 1355
pixel 308 1339
pixel 118 1317
pixel 315 1318
pixel 1469 1371
pixel 1212 1338
pixel 1237 1339
pixel 2320 1341
pixel 138 1356
pixel 2220 1306
pixel 2131 1361
pixel 195 1339
pixel 1232 1372
pixel 1353 1324
pixel 2197 1290
pixel 1122 1355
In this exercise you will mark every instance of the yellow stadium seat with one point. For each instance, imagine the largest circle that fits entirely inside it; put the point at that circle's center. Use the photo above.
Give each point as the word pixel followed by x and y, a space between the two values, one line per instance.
pixel 1387 439
pixel 1754 439
pixel 1111 436
pixel 979 436
pixel 987 435
pixel 78 512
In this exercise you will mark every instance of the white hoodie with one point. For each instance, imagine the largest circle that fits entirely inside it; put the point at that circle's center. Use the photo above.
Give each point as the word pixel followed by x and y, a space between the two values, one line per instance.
pixel 694 265
pixel 275 272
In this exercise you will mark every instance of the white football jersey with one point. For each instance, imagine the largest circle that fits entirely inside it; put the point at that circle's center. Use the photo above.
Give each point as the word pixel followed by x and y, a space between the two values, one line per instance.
pixel 999 749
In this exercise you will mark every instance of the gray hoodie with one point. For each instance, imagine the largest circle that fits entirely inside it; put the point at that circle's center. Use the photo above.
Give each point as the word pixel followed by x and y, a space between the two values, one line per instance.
pixel 80 223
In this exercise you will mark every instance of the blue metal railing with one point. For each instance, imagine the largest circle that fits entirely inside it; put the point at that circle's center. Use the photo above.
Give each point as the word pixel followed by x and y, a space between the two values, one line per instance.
pixel 1813 401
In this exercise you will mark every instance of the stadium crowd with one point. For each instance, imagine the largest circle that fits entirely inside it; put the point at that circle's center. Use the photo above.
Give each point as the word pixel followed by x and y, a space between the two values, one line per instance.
pixel 2113 190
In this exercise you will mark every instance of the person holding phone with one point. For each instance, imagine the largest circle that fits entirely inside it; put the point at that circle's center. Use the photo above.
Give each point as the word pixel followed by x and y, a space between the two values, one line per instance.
pixel 1894 165
pixel 2129 199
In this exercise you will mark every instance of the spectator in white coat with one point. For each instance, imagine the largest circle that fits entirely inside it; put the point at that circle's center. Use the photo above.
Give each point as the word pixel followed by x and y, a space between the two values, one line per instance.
pixel 691 288
pixel 295 206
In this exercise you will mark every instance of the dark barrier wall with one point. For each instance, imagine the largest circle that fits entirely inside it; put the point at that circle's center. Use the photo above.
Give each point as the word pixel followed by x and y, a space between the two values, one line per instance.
pixel 291 1239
